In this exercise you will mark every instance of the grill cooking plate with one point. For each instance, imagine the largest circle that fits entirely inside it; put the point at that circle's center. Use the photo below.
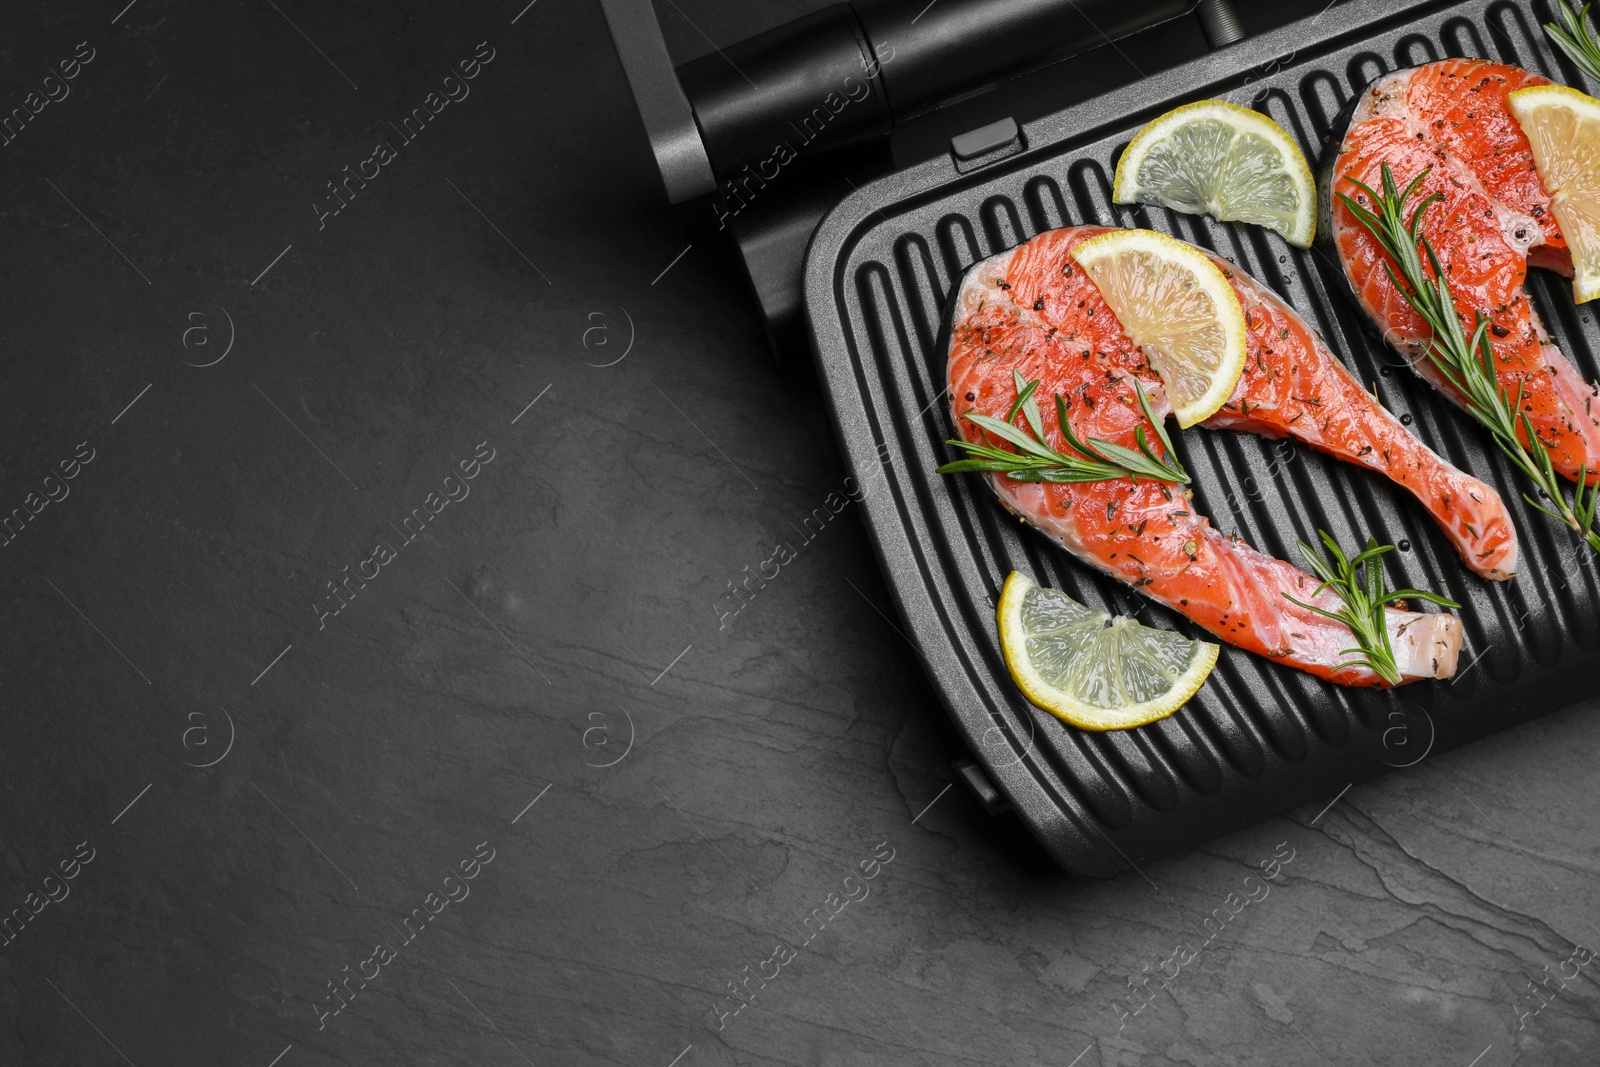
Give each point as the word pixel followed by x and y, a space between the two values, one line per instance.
pixel 1258 739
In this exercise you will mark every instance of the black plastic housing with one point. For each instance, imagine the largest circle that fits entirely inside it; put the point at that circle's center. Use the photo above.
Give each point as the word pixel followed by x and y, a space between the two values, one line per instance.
pixel 811 84
pixel 842 77
pixel 957 47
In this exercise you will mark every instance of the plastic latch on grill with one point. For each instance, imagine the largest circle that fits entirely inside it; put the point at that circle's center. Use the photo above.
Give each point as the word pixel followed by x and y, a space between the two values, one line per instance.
pixel 993 801
pixel 984 145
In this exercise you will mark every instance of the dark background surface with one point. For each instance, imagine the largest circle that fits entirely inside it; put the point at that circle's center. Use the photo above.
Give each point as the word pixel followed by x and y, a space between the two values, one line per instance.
pixel 526 637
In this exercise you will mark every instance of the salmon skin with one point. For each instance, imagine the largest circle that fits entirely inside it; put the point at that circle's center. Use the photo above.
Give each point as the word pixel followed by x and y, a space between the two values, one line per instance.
pixel 1491 221
pixel 1033 310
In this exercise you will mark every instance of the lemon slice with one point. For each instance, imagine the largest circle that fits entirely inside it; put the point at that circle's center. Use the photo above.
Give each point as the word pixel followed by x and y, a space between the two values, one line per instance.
pixel 1178 308
pixel 1219 159
pixel 1094 670
pixel 1563 126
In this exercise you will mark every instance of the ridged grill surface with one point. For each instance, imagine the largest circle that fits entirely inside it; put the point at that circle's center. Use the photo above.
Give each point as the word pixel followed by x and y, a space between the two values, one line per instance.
pixel 1258 738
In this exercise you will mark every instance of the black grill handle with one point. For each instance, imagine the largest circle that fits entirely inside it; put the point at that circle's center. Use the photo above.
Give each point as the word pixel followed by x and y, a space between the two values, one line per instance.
pixel 843 77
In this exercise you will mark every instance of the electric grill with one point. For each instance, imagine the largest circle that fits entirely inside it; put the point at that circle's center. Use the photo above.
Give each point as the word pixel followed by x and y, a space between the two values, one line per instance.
pixel 1258 739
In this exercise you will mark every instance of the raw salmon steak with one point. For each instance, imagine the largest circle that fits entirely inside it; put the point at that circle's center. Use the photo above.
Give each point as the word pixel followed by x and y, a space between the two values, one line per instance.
pixel 1492 220
pixel 1034 311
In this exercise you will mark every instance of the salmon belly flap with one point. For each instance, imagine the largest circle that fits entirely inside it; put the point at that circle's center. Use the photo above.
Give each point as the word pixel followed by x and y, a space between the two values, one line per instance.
pixel 1491 220
pixel 1034 311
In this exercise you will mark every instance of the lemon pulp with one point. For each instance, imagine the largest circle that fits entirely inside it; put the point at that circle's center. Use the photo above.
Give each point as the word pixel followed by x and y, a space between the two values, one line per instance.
pixel 1175 304
pixel 1219 159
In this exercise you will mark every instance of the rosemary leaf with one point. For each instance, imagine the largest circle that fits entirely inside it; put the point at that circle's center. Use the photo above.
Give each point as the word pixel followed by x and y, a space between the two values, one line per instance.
pixel 1036 461
pixel 1575 38
pixel 1024 391
pixel 1365 601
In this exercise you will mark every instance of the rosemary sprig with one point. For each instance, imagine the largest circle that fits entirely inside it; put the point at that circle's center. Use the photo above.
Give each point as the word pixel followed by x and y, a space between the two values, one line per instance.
pixel 1365 601
pixel 1035 461
pixel 1467 362
pixel 1575 38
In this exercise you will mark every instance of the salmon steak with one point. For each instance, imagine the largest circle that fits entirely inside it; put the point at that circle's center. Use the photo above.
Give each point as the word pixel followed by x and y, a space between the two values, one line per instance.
pixel 1032 310
pixel 1491 221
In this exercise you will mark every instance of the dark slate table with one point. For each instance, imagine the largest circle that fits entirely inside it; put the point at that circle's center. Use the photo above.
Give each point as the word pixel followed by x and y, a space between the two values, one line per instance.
pixel 371 687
